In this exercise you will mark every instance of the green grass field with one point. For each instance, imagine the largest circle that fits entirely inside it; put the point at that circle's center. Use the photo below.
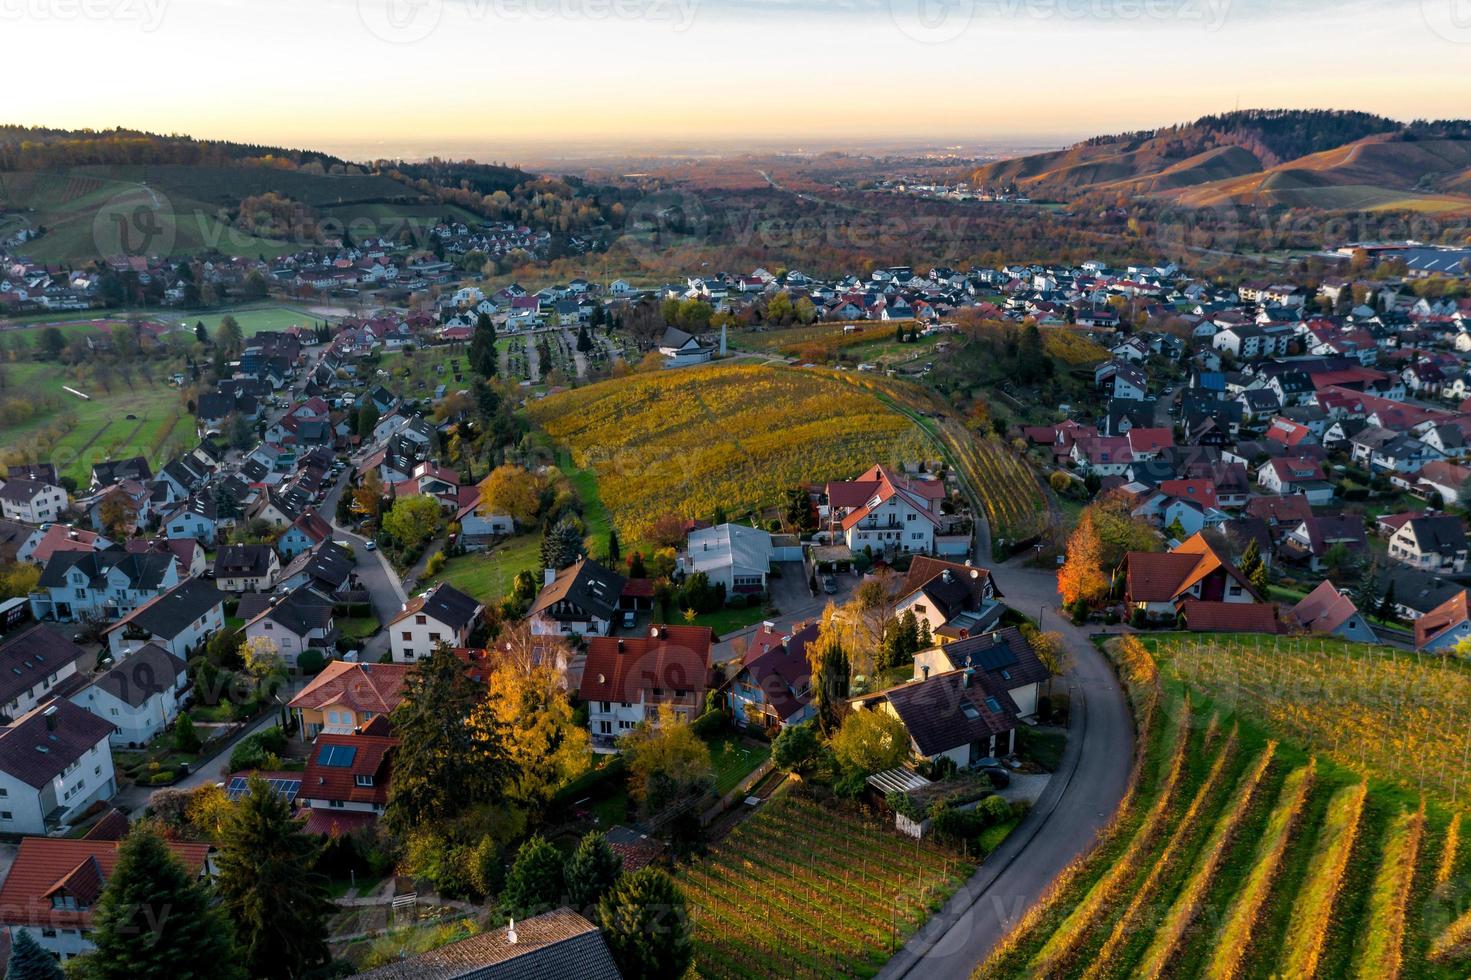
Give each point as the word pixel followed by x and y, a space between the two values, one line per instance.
pixel 254 319
pixel 160 426
pixel 734 760
pixel 488 575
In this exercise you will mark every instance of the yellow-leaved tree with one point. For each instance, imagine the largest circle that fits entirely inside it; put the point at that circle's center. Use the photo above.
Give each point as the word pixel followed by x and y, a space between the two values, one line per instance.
pixel 1081 575
pixel 512 490
pixel 532 714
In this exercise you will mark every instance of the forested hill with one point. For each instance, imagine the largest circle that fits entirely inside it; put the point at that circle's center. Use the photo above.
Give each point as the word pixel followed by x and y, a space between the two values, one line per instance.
pixel 1328 159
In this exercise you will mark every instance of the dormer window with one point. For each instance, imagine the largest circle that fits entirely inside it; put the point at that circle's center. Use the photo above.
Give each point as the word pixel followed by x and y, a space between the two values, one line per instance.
pixel 363 780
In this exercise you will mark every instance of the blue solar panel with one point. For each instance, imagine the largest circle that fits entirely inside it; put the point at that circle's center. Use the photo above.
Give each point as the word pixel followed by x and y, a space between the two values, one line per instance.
pixel 236 789
pixel 287 789
pixel 338 756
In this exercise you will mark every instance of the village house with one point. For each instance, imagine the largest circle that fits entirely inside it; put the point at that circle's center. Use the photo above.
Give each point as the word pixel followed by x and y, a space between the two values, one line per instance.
pixel 732 555
pixel 626 680
pixel 1158 584
pixel 180 620
pixel 296 622
pixel 950 601
pixel 1432 544
pixel 444 614
pixel 582 599
pixel 1446 627
pixel 31 501
pixel 555 944
pixel 952 715
pixel 81 585
pixel 52 887
pixel 773 688
pixel 33 663
pixel 346 697
pixel 885 512
pixel 1004 660
pixel 345 785
pixel 140 697
pixel 54 764
pixel 1328 612
pixel 246 568
pixel 1288 477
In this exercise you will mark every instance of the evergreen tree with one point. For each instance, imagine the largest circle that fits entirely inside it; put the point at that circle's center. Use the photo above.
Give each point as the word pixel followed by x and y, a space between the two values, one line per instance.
pixel 483 357
pixel 1251 559
pixel 591 872
pixel 367 420
pixel 831 672
pixel 28 961
pixel 443 765
pixel 1387 604
pixel 615 553
pixel 561 545
pixel 535 883
pixel 201 334
pixel 584 342
pixel 908 637
pixel 1366 597
pixel 926 640
pixel 269 887
pixel 636 567
pixel 154 920
pixel 646 925
pixel 186 739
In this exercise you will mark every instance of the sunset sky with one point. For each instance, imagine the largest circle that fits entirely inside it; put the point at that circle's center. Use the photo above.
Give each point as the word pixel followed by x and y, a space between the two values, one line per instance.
pixel 411 77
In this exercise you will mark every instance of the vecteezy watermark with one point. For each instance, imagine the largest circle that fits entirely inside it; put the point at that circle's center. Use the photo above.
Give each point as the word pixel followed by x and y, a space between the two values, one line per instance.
pixel 939 21
pixel 1449 19
pixel 135 222
pixel 409 21
pixel 148 14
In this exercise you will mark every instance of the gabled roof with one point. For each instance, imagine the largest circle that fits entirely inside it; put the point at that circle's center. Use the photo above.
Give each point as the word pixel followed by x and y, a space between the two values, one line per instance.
pixel 560 944
pixel 587 585
pixel 777 664
pixel 363 687
pixel 669 658
pixel 44 864
pixel 170 614
pixel 1229 617
pixel 1440 620
pixel 30 657
pixel 143 674
pixel 336 762
pixel 299 611
pixel 48 739
pixel 1004 656
pixel 950 710
pixel 1325 609
pixel 1166 577
pixel 444 604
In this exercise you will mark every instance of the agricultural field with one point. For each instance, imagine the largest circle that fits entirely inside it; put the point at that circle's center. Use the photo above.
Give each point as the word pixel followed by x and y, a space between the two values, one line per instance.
pixel 737 438
pixel 802 889
pixel 125 417
pixel 1245 846
pixel 255 319
pixel 1009 489
pixel 1073 349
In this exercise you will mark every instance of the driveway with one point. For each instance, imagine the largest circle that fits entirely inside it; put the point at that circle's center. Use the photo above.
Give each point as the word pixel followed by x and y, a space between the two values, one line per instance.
pixel 1079 799
pixel 382 584
pixel 792 596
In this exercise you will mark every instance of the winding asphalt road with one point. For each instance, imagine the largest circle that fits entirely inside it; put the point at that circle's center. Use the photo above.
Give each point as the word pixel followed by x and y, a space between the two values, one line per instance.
pixel 1078 802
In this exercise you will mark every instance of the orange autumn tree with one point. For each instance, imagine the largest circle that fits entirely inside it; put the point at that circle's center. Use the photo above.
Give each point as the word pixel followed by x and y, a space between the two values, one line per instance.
pixel 1081 575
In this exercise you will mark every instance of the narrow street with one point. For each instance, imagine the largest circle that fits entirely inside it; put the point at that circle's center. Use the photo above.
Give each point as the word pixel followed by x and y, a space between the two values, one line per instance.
pixel 1078 802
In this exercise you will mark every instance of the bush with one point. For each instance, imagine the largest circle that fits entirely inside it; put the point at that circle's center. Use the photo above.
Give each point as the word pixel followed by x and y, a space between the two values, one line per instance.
pixel 310 662
pixel 1137 619
pixel 162 778
pixel 995 810
pixel 710 723
pixel 435 565
pixel 736 601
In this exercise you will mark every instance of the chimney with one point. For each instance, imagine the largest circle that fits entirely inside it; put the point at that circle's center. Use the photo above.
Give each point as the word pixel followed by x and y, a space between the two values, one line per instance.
pixel 620 645
pixel 548 576
pixel 50 715
pixel 970 672
pixel 925 668
pixel 511 933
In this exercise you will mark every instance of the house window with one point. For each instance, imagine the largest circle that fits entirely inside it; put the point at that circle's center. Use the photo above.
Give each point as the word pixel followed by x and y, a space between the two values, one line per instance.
pixel 421 620
pixel 5 815
pixel 336 804
pixel 605 728
pixel 407 635
pixel 433 637
pixel 363 780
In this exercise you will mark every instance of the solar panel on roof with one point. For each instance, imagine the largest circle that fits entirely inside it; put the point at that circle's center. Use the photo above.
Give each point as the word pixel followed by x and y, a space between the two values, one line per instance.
pixel 338 756
pixel 994 657
pixel 236 789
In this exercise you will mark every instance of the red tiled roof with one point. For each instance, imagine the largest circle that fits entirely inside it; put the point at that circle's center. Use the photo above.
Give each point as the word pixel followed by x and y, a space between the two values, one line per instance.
pixel 1448 615
pixel 1324 609
pixel 337 823
pixel 363 687
pixel 44 863
pixel 369 756
pixel 625 669
pixel 1229 617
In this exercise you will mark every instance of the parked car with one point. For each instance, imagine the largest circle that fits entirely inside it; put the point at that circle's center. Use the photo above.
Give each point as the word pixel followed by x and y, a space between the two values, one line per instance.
pixel 630 619
pixel 371 545
pixel 830 584
pixel 999 777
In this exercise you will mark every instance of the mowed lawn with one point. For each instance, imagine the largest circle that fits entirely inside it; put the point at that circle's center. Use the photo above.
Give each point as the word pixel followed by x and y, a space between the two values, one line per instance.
pixel 253 320
pixel 160 425
pixel 734 759
pixel 488 575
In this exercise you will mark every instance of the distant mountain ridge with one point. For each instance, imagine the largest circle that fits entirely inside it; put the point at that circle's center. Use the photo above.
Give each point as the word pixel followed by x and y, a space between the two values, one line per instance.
pixel 1325 159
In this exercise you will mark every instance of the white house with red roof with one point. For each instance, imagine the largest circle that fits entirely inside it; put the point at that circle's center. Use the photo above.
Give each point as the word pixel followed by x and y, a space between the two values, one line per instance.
pixel 885 511
pixel 625 680
pixel 345 785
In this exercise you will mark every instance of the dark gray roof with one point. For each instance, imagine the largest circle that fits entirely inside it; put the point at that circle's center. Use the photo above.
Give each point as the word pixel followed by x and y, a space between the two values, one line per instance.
pixel 144 571
pixel 948 710
pixel 171 613
pixel 587 586
pixel 299 611
pixel 1005 657
pixel 40 746
pixel 114 470
pixel 142 675
pixel 445 604
pixel 22 491
pixel 243 561
pixel 32 656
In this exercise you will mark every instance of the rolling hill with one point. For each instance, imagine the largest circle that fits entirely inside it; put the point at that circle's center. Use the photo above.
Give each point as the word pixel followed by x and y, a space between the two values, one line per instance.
pixel 1322 160
pixel 69 184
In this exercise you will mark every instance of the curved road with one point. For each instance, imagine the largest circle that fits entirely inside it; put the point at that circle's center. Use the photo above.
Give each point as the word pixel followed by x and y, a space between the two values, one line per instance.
pixel 1078 801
